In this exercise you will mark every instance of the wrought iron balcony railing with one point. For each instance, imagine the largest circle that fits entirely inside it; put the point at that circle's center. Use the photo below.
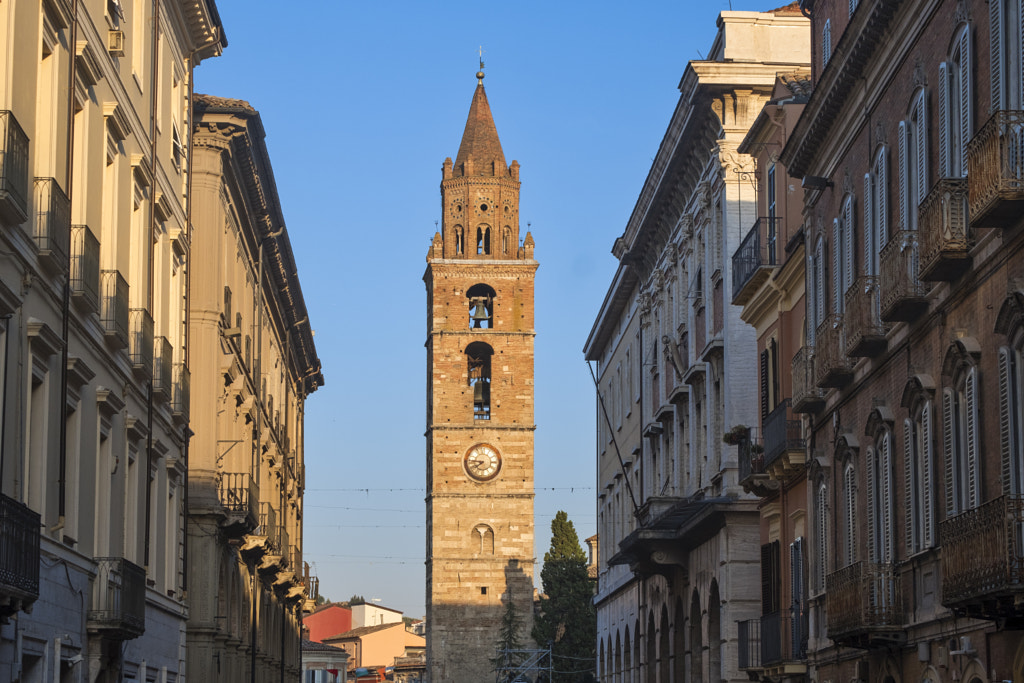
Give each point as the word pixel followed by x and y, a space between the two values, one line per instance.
pixel 240 498
pixel 903 292
pixel 783 638
pixel 807 397
pixel 85 268
pixel 983 559
pixel 865 333
pixel 52 228
pixel 945 234
pixel 182 391
pixel 864 604
pixel 755 259
pixel 114 307
pixel 995 171
pixel 782 435
pixel 118 599
pixel 19 555
pixel 163 369
pixel 269 527
pixel 749 641
pixel 140 346
pixel 13 169
pixel 832 367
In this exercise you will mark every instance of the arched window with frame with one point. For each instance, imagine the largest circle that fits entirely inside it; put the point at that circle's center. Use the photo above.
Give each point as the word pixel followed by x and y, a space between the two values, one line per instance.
pixel 919 465
pixel 1011 394
pixel 483 240
pixel 955 105
pixel 821 534
pixel 849 511
pixel 913 159
pixel 880 512
pixel 478 361
pixel 960 435
pixel 876 210
pixel 480 299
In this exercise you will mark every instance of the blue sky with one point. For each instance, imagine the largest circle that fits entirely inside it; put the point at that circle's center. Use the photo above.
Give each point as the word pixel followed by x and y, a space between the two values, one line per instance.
pixel 362 102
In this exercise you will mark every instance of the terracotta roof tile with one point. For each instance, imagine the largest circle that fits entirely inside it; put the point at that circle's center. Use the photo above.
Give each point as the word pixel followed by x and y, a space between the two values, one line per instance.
pixel 480 143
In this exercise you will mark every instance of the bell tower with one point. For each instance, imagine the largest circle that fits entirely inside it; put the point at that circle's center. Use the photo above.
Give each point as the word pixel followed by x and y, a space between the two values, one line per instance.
pixel 480 317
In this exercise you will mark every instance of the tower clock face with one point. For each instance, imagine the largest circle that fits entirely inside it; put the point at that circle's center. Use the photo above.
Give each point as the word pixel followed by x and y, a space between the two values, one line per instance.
pixel 482 462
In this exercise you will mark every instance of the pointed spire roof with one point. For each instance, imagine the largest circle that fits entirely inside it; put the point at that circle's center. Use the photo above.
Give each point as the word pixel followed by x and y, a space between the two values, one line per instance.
pixel 480 145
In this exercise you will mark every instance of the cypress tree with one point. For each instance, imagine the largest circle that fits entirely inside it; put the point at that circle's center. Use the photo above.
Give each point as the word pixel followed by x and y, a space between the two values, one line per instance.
pixel 567 616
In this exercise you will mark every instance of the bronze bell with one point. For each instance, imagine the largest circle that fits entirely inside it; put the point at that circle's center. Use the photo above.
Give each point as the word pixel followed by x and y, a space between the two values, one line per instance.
pixel 481 392
pixel 480 313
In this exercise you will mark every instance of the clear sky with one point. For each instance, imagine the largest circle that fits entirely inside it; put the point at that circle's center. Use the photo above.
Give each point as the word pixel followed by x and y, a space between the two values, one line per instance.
pixel 362 102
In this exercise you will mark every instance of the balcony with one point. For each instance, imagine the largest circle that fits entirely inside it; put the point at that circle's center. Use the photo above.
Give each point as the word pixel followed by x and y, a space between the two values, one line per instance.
pixel 903 293
pixel 832 368
pixel 983 560
pixel 181 391
pixel 783 442
pixel 864 605
pixel 943 228
pixel 995 171
pixel 13 170
pixel 784 644
pixel 118 609
pixel 865 333
pixel 240 498
pixel 52 228
pixel 269 527
pixel 163 369
pixel 114 308
pixel 753 475
pixel 756 258
pixel 749 640
pixel 85 268
pixel 19 556
pixel 807 397
pixel 140 345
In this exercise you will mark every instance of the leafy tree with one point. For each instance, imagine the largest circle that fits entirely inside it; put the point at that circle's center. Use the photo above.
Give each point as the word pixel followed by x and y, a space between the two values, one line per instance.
pixel 567 616
pixel 505 661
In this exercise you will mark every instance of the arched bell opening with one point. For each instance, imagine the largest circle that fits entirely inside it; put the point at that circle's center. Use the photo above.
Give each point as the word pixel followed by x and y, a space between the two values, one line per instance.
pixel 481 307
pixel 478 359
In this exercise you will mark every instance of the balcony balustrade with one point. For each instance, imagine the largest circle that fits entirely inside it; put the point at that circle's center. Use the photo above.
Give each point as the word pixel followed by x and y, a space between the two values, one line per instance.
pixel 52 228
pixel 118 609
pixel 269 527
pixel 140 344
pixel 749 641
pixel 832 367
pixel 807 397
pixel 753 475
pixel 784 641
pixel 114 308
pixel 903 292
pixel 163 369
pixel 756 258
pixel 995 171
pixel 13 170
pixel 19 556
pixel 983 560
pixel 945 235
pixel 85 268
pixel 783 441
pixel 865 333
pixel 864 605
pixel 240 499
pixel 182 390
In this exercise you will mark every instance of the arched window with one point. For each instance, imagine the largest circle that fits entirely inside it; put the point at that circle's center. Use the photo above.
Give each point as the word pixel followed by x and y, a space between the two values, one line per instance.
pixel 956 123
pixel 849 489
pixel 481 307
pixel 460 241
pixel 881 517
pixel 919 465
pixel 961 467
pixel 876 210
pixel 842 255
pixel 478 360
pixel 483 537
pixel 1011 420
pixel 506 241
pixel 483 240
pixel 913 159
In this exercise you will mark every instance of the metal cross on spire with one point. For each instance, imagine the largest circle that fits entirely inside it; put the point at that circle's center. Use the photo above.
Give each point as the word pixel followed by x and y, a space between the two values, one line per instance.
pixel 480 73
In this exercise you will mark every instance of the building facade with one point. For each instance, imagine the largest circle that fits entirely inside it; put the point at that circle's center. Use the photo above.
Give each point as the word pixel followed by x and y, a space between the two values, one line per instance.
pixel 94 263
pixel 480 332
pixel 677 373
pixel 911 158
pixel 251 338
pixel 768 282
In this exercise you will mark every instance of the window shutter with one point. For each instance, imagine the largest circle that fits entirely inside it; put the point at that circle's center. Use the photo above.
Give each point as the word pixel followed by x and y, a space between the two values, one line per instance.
pixel 848 259
pixel 910 508
pixel 1005 426
pixel 943 95
pixel 821 512
pixel 966 120
pixel 888 546
pixel 766 578
pixel 764 387
pixel 971 397
pixel 869 228
pixel 882 196
pixel 820 296
pixel 812 295
pixel 1020 54
pixel 904 173
pixel 837 294
pixel 851 515
pixel 922 148
pixel 796 574
pixel 853 6
pixel 949 457
pixel 873 517
pixel 826 42
pixel 996 60
pixel 927 478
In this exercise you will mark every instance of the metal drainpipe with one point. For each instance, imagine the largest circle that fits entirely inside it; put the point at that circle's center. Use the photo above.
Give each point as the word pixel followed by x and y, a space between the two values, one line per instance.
pixel 149 275
pixel 186 432
pixel 252 634
pixel 62 483
pixel 3 397
pixel 284 624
